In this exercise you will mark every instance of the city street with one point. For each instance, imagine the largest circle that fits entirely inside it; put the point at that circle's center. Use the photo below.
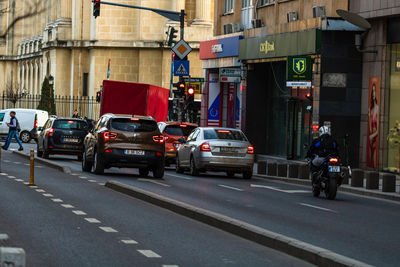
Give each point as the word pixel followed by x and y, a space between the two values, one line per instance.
pixel 351 225
pixel 73 220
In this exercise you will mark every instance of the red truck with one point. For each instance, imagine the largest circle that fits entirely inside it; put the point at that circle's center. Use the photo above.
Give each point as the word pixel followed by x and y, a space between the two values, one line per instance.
pixel 134 98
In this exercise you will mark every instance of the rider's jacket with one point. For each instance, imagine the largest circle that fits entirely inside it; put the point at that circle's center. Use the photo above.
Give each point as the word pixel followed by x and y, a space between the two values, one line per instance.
pixel 323 146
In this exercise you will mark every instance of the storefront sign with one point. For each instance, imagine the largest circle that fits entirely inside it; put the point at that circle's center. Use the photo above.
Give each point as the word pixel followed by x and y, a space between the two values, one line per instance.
pixel 298 68
pixel 220 48
pixel 231 75
pixel 298 84
pixel 373 122
pixel 214 100
pixel 217 48
pixel 281 45
pixel 397 64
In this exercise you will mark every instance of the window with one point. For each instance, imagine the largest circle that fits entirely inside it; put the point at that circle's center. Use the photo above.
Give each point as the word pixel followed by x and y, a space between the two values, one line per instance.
pixel 2 116
pixel 70 125
pixel 246 3
pixel 133 125
pixel 179 130
pixel 193 135
pixel 85 84
pixel 229 6
pixel 265 2
pixel 224 135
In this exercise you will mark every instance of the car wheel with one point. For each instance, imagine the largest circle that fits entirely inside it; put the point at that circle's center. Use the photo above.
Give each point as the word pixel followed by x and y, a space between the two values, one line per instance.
pixel 144 172
pixel 158 170
pixel 247 174
pixel 230 174
pixel 86 165
pixel 25 137
pixel 38 152
pixel 193 169
pixel 178 167
pixel 98 164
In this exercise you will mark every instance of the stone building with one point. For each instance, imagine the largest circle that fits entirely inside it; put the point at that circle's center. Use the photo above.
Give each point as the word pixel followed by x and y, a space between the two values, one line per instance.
pixel 67 42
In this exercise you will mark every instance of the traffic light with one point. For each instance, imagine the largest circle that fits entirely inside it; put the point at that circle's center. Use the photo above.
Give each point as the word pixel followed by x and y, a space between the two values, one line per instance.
pixel 180 89
pixel 309 96
pixel 96 8
pixel 172 35
pixel 98 96
pixel 190 95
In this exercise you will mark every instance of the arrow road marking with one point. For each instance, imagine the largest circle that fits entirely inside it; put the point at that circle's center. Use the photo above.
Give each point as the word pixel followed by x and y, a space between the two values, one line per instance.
pixel 279 190
pixel 230 187
pixel 316 207
pixel 154 182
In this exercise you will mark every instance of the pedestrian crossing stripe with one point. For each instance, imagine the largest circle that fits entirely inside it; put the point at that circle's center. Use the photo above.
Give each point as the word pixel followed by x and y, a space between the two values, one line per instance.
pixel 182 70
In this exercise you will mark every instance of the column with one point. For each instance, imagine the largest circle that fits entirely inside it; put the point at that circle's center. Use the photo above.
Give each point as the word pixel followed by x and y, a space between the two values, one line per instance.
pixel 176 5
pixel 22 82
pixel 19 74
pixel 35 85
pixel 203 12
pixel 31 77
pixel 66 8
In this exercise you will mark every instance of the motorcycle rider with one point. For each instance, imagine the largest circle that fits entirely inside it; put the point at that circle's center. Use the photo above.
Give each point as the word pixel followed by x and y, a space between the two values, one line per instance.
pixel 320 148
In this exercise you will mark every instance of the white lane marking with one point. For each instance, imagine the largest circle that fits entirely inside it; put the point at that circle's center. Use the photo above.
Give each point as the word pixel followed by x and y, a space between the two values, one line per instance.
pixel 75 174
pixel 180 177
pixel 92 181
pixel 149 253
pixel 169 265
pixel 40 190
pixel 48 195
pixel 19 180
pixel 26 183
pixel 79 212
pixel 3 173
pixel 108 229
pixel 230 187
pixel 67 206
pixel 129 241
pixel 39 166
pixel 316 207
pixel 26 164
pixel 279 190
pixel 154 182
pixel 17 162
pixel 102 184
pixel 92 220
pixel 11 177
pixel 83 177
pixel 6 160
pixel 57 200
pixel 33 186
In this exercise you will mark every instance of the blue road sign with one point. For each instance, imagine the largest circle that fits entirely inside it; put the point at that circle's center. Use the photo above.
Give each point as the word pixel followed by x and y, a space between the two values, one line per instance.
pixel 181 68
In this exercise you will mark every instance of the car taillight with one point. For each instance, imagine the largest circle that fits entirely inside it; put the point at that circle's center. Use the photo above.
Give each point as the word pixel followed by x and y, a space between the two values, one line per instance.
pixel 159 154
pixel 333 160
pixel 50 132
pixel 109 136
pixel 166 138
pixel 35 125
pixel 108 150
pixel 250 150
pixel 205 147
pixel 159 139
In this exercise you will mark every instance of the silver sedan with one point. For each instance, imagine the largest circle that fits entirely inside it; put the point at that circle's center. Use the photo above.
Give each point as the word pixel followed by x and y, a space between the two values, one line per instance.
pixel 216 149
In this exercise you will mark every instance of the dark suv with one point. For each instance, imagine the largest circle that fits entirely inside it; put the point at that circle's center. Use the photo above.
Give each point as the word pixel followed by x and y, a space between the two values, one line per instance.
pixel 62 136
pixel 125 141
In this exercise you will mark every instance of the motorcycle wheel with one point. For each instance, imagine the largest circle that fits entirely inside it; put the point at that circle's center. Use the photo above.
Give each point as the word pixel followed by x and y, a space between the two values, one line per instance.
pixel 315 191
pixel 330 192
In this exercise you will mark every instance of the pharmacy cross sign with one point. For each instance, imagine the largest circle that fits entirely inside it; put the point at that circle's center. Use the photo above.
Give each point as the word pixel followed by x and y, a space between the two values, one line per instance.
pixel 182 49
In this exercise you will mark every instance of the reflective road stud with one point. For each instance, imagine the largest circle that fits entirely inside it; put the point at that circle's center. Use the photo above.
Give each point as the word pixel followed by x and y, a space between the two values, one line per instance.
pixel 32 172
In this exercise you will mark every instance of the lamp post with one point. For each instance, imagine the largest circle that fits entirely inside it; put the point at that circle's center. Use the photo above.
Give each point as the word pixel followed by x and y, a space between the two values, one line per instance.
pixel 51 83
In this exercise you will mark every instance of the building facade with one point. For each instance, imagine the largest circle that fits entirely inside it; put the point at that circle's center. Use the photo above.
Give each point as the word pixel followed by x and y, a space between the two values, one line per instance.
pixel 380 108
pixel 67 42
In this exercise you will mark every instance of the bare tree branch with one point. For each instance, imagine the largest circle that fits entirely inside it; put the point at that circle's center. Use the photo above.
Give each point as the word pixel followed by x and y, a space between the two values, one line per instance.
pixel 13 93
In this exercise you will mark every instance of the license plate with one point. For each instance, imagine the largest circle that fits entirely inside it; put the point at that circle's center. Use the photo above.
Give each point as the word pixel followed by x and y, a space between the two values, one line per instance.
pixel 334 169
pixel 228 149
pixel 134 152
pixel 71 140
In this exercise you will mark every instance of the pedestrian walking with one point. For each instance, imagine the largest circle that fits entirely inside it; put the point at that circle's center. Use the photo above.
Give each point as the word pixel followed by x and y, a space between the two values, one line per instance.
pixel 13 132
pixel 76 114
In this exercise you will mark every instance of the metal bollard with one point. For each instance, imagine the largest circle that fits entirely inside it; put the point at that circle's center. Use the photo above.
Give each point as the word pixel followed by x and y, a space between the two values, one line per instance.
pixel 32 166
pixel 272 169
pixel 372 180
pixel 262 167
pixel 357 178
pixel 282 170
pixel 345 175
pixel 388 182
pixel 293 170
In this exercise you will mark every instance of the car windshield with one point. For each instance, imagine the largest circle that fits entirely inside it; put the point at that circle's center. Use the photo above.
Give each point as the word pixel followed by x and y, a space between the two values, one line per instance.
pixel 133 125
pixel 179 130
pixel 224 135
pixel 70 125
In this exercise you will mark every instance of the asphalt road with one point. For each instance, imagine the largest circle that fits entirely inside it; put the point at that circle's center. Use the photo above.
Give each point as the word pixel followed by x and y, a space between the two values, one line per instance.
pixel 73 220
pixel 354 226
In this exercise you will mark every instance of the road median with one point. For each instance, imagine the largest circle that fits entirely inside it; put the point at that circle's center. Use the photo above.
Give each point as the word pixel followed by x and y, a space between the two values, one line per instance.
pixel 291 246
pixel 46 162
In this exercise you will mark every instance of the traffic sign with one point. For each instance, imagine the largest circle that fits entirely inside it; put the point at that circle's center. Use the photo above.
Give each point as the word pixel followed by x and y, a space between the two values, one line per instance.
pixel 181 68
pixel 182 49
pixel 194 80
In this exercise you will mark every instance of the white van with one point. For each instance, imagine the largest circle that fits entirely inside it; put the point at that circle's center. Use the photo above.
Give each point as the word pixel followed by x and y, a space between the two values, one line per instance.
pixel 29 120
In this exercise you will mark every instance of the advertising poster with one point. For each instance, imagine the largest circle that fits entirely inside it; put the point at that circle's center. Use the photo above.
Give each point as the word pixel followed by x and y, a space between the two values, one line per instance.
pixel 373 122
pixel 214 100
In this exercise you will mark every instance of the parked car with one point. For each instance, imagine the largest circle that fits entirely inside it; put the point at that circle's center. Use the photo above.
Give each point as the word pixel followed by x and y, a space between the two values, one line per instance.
pixel 62 136
pixel 29 121
pixel 172 131
pixel 216 149
pixel 125 141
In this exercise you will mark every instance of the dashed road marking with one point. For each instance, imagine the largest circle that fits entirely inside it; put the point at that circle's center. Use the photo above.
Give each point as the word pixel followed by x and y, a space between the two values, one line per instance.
pixel 10 176
pixel 108 229
pixel 26 164
pixel 154 182
pixel 6 160
pixel 102 184
pixel 38 166
pixel 3 173
pixel 92 181
pixel 279 190
pixel 17 162
pixel 129 241
pixel 67 206
pixel 33 186
pixel 92 220
pixel 40 190
pixel 79 212
pixel 57 200
pixel 75 174
pixel 149 253
pixel 180 177
pixel 316 207
pixel 26 183
pixel 48 195
pixel 83 177
pixel 169 265
pixel 230 187
pixel 19 180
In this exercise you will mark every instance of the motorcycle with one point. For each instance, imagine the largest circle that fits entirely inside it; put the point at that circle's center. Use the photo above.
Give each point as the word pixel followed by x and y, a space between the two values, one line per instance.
pixel 328 178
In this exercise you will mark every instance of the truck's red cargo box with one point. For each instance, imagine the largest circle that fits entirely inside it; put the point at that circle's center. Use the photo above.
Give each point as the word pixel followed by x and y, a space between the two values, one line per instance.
pixel 134 98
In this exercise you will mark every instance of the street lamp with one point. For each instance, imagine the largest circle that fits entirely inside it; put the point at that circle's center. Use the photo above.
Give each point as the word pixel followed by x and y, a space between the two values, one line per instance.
pixel 51 80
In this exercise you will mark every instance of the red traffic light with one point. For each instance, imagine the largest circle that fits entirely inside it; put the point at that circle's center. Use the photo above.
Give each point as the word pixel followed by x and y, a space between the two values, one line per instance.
pixel 191 91
pixel 181 85
pixel 308 95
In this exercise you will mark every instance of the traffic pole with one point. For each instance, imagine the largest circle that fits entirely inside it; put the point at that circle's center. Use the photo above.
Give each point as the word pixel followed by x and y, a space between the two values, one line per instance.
pixel 32 165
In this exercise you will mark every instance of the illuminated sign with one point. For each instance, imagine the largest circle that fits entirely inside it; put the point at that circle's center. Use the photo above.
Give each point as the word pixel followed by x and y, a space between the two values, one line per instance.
pixel 267 47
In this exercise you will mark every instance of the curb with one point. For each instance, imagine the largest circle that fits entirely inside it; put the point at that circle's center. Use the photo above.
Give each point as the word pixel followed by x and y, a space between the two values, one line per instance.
pixel 291 246
pixel 358 191
pixel 46 162
pixel 3 240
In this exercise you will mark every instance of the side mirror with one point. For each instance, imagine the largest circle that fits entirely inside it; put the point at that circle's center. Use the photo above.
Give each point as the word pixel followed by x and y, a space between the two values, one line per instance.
pixel 181 140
